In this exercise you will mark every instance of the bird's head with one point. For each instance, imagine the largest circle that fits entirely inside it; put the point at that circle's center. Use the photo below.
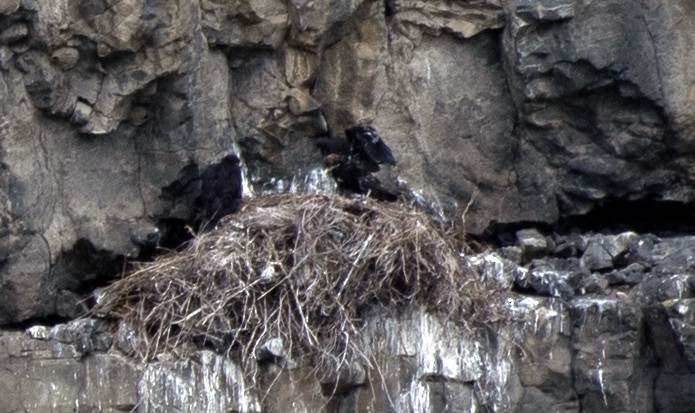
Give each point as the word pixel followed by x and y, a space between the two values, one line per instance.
pixel 362 130
pixel 231 158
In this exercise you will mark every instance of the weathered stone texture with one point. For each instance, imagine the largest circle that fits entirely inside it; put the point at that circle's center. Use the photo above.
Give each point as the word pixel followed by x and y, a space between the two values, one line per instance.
pixel 464 19
pixel 591 346
pixel 209 384
pixel 244 23
pixel 589 82
pixel 574 106
pixel 500 113
pixel 46 375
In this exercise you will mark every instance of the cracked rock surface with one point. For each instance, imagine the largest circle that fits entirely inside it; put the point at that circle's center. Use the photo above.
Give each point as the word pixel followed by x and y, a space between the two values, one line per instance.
pixel 531 115
pixel 575 340
pixel 515 111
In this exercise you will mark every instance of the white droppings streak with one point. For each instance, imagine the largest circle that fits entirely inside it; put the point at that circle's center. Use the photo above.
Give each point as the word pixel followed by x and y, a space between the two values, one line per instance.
pixel 601 304
pixel 680 285
pixel 682 309
pixel 428 70
pixel 599 377
pixel 214 384
pixel 420 397
pixel 246 187
pixel 316 180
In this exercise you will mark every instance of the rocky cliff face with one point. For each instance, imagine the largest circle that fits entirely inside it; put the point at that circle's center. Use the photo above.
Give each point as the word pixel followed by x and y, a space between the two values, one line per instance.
pixel 604 324
pixel 522 113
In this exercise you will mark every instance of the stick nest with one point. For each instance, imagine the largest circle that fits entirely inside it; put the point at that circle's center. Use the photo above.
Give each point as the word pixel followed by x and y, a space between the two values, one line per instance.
pixel 302 268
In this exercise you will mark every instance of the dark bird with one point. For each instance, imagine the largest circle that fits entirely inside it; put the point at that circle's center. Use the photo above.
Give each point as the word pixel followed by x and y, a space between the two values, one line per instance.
pixel 363 144
pixel 352 161
pixel 353 177
pixel 220 191
pixel 332 145
pixel 364 140
pixel 345 172
pixel 372 186
pixel 146 237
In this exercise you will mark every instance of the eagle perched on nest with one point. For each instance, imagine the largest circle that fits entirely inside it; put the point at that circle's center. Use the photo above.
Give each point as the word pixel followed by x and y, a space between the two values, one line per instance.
pixel 353 161
pixel 220 191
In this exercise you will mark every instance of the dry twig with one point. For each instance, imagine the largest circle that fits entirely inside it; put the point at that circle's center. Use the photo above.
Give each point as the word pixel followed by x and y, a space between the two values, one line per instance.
pixel 303 268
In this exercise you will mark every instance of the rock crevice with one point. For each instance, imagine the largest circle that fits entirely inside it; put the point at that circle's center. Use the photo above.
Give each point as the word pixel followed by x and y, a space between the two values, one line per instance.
pixel 517 114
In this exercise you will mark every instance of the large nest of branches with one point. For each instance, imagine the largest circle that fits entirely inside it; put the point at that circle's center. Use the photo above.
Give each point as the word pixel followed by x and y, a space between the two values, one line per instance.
pixel 302 268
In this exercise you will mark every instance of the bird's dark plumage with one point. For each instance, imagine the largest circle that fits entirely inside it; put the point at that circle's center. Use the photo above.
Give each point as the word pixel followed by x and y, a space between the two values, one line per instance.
pixel 371 185
pixel 352 161
pixel 353 177
pixel 345 172
pixel 331 145
pixel 220 190
pixel 363 139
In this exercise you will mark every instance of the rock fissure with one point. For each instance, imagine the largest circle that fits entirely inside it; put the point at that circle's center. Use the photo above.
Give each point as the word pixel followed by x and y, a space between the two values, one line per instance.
pixel 656 55
pixel 562 129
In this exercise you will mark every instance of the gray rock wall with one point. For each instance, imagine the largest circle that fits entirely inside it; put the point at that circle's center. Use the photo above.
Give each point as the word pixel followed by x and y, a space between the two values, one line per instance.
pixel 518 112
pixel 607 328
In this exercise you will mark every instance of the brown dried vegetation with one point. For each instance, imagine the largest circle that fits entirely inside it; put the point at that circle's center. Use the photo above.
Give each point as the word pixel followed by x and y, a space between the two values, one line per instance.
pixel 303 268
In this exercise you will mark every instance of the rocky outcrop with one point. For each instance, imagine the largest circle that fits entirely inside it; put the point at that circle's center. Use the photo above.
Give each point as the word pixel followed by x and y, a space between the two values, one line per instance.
pixel 590 335
pixel 593 113
pixel 508 114
pixel 518 111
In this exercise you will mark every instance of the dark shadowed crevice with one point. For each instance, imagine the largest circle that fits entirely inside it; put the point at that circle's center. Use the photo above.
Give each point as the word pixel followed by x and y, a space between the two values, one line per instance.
pixel 47 321
pixel 179 206
pixel 67 291
pixel 85 268
pixel 663 218
pixel 609 216
pixel 389 9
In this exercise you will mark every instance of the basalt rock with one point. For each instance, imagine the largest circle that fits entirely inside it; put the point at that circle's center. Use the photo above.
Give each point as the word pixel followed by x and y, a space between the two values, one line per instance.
pixel 623 348
pixel 601 116
pixel 503 115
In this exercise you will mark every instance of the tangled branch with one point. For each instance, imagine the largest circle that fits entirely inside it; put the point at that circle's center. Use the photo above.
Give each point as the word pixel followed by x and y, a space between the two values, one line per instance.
pixel 303 268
